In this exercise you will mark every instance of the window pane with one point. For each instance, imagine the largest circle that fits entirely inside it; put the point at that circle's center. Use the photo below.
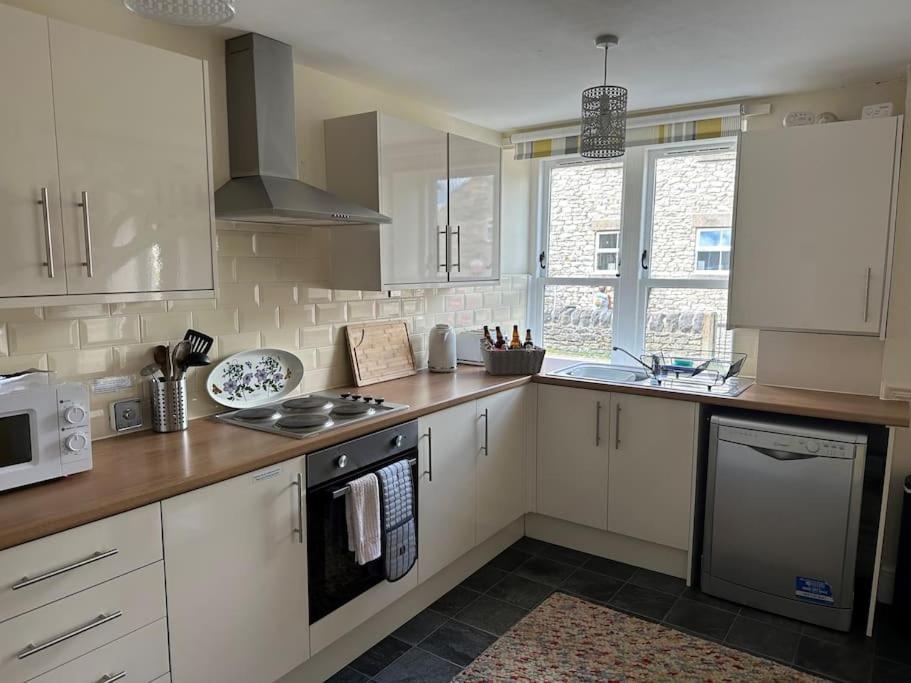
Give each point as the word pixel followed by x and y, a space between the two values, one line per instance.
pixel 607 240
pixel 578 321
pixel 687 320
pixel 607 262
pixel 585 199
pixel 693 191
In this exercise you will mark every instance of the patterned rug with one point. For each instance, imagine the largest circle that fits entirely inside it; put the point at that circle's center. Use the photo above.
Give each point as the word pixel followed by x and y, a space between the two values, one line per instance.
pixel 568 640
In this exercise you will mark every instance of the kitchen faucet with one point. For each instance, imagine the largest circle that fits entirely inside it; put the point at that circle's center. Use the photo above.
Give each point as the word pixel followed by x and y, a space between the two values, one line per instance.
pixel 638 360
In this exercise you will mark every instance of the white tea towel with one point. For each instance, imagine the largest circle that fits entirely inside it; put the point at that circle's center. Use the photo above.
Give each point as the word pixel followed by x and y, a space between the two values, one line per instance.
pixel 362 514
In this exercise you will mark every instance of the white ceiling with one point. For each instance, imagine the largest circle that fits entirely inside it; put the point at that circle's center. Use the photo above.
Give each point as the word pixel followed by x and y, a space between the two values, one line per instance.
pixel 509 64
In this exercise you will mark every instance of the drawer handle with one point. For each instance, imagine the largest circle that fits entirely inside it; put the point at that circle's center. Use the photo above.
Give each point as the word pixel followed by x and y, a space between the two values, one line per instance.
pixel 110 678
pixel 100 555
pixel 95 623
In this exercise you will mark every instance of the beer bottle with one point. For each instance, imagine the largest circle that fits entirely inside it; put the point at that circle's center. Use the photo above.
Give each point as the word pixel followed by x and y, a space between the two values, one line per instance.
pixel 515 342
pixel 487 336
pixel 529 344
pixel 500 343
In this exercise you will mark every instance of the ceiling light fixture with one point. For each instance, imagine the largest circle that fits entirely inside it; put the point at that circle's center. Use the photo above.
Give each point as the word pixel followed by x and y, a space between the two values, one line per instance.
pixel 603 133
pixel 184 12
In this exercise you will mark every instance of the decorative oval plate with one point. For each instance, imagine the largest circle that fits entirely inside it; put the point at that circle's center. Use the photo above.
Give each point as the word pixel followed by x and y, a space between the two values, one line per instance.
pixel 253 378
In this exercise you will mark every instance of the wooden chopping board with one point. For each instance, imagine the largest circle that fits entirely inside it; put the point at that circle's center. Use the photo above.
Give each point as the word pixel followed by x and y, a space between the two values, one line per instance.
pixel 379 352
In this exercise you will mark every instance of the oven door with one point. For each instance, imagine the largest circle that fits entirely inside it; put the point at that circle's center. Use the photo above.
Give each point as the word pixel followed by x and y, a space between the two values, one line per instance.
pixel 334 577
pixel 29 438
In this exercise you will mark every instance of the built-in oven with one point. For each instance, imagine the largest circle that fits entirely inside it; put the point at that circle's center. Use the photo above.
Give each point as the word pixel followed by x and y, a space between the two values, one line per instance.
pixel 334 577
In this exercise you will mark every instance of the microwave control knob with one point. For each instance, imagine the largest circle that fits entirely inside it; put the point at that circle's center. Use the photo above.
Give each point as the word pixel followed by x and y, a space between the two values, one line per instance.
pixel 76 442
pixel 398 441
pixel 75 414
pixel 342 462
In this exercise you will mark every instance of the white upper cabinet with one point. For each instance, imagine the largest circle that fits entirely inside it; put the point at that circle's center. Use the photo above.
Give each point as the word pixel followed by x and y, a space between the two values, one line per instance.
pixel 132 137
pixel 474 210
pixel 573 431
pixel 441 191
pixel 126 127
pixel 30 230
pixel 813 227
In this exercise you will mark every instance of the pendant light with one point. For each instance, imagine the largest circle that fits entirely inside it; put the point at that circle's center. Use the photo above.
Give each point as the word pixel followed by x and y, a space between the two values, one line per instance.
pixel 603 133
pixel 184 12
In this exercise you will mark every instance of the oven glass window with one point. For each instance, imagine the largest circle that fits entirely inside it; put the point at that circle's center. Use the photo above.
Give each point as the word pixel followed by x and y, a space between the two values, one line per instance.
pixel 15 440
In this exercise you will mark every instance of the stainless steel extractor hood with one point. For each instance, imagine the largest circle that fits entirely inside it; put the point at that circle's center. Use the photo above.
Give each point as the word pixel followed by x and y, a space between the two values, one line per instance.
pixel 264 185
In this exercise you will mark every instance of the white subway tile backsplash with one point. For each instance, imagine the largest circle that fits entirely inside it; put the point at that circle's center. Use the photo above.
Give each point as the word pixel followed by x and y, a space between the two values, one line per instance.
pixel 361 310
pixel 21 315
pixel 292 317
pixel 216 323
pixel 81 363
pixel 330 313
pixel 412 306
pixel 77 311
pixel 284 338
pixel 316 295
pixel 4 342
pixel 482 316
pixel 275 244
pixel 309 358
pixel 227 269
pixel 192 305
pixel 119 329
pixel 230 344
pixel 444 319
pixel 464 319
pixel 26 338
pixel 231 243
pixel 23 362
pixel 165 325
pixel 278 294
pixel 131 307
pixel 129 359
pixel 421 323
pixel 298 270
pixel 391 308
pixel 330 356
pixel 346 295
pixel 256 269
pixel 491 299
pixel 312 337
pixel 455 302
pixel 256 319
pixel 243 295
pixel 474 300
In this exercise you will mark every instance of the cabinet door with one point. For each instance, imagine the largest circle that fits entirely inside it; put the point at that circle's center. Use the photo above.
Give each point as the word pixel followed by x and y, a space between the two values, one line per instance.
pixel 652 456
pixel 236 572
pixel 501 460
pixel 446 493
pixel 812 228
pixel 413 193
pixel 29 165
pixel 573 433
pixel 474 210
pixel 132 134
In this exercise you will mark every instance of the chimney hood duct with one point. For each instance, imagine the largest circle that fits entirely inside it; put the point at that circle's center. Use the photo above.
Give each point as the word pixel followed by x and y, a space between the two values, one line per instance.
pixel 264 185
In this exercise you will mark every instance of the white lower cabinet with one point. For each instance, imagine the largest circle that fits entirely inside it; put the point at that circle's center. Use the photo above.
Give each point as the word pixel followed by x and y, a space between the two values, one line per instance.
pixel 446 487
pixel 236 571
pixel 573 433
pixel 652 458
pixel 139 656
pixel 500 422
pixel 619 462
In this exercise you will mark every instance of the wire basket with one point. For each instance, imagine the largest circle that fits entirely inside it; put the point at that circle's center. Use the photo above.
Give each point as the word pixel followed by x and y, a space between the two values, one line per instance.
pixel 513 362
pixel 169 404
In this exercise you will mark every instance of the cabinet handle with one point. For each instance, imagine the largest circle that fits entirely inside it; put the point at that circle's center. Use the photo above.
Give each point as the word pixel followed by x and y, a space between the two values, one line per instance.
pixel 48 244
pixel 448 248
pixel 458 234
pixel 100 555
pixel 617 429
pixel 867 295
pixel 87 229
pixel 598 423
pixel 110 678
pixel 429 470
pixel 440 232
pixel 299 483
pixel 486 417
pixel 94 623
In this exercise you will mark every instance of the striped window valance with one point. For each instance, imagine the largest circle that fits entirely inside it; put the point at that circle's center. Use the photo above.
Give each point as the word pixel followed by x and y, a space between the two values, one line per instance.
pixel 703 124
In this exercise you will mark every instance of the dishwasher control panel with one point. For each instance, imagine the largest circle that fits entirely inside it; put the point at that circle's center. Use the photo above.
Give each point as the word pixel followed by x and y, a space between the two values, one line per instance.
pixel 791 443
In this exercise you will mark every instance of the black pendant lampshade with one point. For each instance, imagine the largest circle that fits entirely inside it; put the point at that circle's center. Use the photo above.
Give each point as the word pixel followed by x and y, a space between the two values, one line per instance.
pixel 603 134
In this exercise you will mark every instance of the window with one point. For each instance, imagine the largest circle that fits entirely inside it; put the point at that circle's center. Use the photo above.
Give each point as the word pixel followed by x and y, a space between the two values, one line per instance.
pixel 636 252
pixel 607 251
pixel 713 249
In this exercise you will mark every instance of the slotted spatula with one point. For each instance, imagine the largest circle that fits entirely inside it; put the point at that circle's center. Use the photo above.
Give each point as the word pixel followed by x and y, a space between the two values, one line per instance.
pixel 199 342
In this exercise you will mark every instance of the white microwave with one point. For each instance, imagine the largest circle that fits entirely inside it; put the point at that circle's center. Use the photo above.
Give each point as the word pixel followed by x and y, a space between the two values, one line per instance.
pixel 44 432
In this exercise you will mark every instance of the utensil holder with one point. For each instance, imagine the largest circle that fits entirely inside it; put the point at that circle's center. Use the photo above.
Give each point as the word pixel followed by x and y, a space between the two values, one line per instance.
pixel 515 362
pixel 169 404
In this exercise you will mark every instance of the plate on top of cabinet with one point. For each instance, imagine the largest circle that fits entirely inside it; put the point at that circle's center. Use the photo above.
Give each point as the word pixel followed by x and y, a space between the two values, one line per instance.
pixel 253 378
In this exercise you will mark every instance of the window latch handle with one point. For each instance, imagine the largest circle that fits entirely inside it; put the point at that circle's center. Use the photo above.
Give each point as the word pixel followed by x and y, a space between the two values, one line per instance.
pixel 644 260
pixel 542 260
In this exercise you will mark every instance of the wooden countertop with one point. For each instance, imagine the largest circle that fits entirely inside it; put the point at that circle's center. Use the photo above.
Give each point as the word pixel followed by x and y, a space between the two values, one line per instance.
pixel 138 469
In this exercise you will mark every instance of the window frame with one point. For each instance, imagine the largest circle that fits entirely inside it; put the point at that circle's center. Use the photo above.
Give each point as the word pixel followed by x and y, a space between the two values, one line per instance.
pixel 631 283
pixel 606 250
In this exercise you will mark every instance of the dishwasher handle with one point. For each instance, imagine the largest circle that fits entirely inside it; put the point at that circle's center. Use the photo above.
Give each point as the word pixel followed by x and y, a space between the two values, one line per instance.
pixel 782 455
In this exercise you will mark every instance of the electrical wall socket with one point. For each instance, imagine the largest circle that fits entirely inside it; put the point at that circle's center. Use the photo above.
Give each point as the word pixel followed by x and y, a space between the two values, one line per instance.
pixel 126 415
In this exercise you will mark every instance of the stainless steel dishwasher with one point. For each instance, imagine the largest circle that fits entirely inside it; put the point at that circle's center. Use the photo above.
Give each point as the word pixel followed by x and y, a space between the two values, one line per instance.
pixel 782 516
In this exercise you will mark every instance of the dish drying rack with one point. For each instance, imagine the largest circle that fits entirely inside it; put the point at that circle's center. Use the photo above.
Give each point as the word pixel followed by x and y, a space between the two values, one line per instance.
pixel 687 370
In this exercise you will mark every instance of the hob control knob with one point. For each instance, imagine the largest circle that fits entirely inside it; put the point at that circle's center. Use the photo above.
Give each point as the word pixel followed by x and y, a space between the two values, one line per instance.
pixel 812 446
pixel 76 442
pixel 398 441
pixel 75 414
pixel 342 462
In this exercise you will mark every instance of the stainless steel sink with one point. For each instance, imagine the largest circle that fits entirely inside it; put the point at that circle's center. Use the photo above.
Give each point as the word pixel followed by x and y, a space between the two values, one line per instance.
pixel 600 372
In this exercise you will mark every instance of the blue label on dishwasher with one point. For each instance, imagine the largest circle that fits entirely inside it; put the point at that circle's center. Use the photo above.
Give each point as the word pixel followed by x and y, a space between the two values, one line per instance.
pixel 813 590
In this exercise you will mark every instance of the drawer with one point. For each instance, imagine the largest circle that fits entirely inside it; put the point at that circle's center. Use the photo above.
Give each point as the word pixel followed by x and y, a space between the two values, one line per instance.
pixel 45 638
pixel 39 572
pixel 140 657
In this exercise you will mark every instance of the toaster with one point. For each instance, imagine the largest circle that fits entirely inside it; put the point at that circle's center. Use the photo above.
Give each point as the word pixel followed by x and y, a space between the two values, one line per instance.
pixel 468 347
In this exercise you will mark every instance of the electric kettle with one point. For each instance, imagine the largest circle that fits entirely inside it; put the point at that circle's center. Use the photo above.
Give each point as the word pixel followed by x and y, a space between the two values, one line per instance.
pixel 441 354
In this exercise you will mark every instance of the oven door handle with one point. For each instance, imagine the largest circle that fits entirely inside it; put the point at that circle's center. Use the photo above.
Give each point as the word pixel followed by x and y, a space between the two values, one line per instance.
pixel 299 483
pixel 342 492
pixel 429 469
